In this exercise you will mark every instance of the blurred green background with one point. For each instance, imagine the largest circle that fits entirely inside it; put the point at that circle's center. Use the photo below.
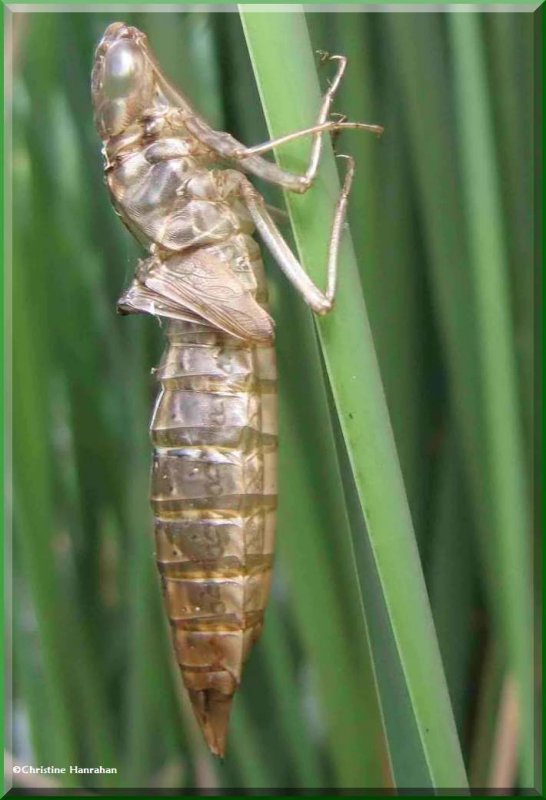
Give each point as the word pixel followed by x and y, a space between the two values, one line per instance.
pixel 442 221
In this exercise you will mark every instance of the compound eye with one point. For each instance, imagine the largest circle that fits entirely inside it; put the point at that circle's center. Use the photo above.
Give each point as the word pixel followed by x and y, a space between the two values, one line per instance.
pixel 124 69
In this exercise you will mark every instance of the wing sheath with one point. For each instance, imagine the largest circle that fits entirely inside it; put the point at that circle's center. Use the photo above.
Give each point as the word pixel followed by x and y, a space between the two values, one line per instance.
pixel 198 286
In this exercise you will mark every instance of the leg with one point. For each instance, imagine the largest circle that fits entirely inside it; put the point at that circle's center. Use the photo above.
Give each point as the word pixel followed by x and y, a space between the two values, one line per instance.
pixel 278 214
pixel 320 302
pixel 250 159
pixel 332 125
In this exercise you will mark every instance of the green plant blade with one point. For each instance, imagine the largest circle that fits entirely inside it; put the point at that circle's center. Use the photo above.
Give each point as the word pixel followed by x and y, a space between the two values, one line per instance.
pixel 505 462
pixel 353 371
pixel 453 580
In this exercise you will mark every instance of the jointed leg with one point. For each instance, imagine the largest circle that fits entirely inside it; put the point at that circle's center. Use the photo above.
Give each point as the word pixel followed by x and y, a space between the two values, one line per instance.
pixel 331 126
pixel 321 302
pixel 278 214
pixel 250 158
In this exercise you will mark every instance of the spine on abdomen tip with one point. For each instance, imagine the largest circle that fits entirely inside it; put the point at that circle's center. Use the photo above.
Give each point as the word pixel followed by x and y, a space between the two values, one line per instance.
pixel 214 432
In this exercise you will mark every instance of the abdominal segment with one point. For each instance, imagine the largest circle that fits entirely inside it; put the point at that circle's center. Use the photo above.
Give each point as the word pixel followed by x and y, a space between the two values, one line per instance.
pixel 214 431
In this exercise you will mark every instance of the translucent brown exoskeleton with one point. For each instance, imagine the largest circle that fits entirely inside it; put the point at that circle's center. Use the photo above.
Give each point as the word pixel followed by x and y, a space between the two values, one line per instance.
pixel 214 427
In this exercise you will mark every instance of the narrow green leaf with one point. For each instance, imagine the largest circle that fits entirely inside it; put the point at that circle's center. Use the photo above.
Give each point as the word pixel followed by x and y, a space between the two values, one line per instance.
pixel 511 46
pixel 505 463
pixel 354 375
pixel 452 580
pixel 35 520
pixel 483 739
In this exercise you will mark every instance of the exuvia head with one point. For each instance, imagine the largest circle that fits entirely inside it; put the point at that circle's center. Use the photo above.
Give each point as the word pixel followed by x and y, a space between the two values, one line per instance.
pixel 122 79
pixel 125 80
